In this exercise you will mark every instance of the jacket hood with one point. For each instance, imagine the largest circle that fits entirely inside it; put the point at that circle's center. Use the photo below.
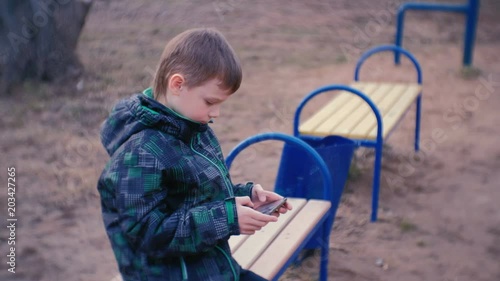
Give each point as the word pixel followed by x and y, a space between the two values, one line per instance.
pixel 141 112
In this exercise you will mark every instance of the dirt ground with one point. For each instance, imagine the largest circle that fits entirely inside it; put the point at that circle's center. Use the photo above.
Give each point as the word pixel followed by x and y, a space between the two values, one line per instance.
pixel 439 215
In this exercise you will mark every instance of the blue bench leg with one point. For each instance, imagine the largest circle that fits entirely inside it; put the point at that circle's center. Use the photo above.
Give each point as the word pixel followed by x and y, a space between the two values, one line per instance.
pixel 376 180
pixel 325 246
pixel 417 125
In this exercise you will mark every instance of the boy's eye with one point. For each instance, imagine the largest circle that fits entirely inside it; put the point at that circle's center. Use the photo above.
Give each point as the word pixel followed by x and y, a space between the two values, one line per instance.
pixel 209 102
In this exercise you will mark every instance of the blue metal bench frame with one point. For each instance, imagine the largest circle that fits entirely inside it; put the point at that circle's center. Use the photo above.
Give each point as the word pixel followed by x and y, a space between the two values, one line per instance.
pixel 470 10
pixel 325 224
pixel 377 144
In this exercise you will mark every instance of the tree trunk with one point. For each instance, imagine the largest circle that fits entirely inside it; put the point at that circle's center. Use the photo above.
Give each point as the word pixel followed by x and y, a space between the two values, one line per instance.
pixel 38 39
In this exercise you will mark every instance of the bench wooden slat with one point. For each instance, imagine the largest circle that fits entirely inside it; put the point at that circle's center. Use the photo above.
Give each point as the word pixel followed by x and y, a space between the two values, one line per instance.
pixel 310 125
pixel 369 122
pixel 351 109
pixel 329 124
pixel 353 118
pixel 395 112
pixel 255 244
pixel 348 125
pixel 236 241
pixel 287 242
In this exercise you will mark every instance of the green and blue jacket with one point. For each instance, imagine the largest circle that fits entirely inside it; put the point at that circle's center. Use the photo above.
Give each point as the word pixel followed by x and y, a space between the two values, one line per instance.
pixel 168 203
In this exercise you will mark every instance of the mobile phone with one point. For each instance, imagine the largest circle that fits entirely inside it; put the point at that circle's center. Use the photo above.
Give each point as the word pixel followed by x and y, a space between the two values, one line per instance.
pixel 271 207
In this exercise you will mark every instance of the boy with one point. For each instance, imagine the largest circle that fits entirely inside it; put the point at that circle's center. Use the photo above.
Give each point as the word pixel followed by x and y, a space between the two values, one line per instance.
pixel 168 203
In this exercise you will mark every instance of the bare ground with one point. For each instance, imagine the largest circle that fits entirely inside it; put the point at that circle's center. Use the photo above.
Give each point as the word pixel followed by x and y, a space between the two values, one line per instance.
pixel 439 216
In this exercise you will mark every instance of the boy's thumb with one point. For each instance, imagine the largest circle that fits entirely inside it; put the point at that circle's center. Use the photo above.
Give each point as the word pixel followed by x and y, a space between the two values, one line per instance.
pixel 262 198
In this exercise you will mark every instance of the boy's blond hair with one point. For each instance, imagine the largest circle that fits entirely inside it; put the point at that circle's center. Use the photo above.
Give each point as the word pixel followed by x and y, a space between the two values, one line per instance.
pixel 199 55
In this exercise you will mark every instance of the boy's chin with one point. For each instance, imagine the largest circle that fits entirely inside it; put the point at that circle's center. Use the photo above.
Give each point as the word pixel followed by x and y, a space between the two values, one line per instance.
pixel 205 121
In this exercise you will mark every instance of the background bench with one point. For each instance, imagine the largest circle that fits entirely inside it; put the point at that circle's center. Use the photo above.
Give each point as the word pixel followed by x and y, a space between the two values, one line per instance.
pixel 271 250
pixel 366 112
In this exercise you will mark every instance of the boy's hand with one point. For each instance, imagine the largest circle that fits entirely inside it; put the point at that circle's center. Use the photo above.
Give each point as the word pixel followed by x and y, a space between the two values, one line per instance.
pixel 261 197
pixel 250 220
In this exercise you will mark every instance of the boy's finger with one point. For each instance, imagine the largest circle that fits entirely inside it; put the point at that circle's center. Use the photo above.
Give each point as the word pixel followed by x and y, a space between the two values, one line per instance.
pixel 264 217
pixel 245 201
pixel 282 210
pixel 247 232
pixel 272 196
pixel 262 197
pixel 261 193
pixel 257 223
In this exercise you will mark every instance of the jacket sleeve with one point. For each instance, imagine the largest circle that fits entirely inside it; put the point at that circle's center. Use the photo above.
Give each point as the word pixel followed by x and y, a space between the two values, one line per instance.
pixel 146 221
pixel 243 189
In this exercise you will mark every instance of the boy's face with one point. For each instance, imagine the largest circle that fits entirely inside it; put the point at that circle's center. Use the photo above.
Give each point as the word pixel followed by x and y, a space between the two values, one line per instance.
pixel 201 103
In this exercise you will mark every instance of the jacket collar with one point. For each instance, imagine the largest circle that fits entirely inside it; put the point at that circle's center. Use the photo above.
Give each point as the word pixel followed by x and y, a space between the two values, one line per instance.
pixel 167 120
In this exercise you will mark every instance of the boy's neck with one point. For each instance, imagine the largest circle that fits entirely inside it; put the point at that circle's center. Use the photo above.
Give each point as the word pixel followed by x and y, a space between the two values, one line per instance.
pixel 163 100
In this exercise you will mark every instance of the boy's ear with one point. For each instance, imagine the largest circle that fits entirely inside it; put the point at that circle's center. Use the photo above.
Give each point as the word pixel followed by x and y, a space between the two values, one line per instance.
pixel 175 84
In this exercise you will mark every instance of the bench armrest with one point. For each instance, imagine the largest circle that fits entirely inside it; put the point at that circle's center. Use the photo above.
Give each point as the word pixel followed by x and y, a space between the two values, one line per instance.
pixel 327 180
pixel 385 48
pixel 335 87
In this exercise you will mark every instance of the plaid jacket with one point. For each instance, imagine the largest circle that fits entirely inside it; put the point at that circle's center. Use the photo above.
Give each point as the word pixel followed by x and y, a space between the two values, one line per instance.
pixel 167 199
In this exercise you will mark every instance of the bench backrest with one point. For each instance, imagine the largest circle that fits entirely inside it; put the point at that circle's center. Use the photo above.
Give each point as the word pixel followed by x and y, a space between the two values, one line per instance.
pixel 300 145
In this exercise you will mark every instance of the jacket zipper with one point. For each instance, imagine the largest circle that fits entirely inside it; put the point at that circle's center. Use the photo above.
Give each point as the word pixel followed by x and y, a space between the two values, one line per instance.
pixel 221 170
pixel 230 189
pixel 236 277
pixel 184 269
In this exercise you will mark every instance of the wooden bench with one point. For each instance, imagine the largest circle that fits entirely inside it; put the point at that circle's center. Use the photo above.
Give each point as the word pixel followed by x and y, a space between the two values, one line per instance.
pixel 271 250
pixel 267 251
pixel 366 112
pixel 348 116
